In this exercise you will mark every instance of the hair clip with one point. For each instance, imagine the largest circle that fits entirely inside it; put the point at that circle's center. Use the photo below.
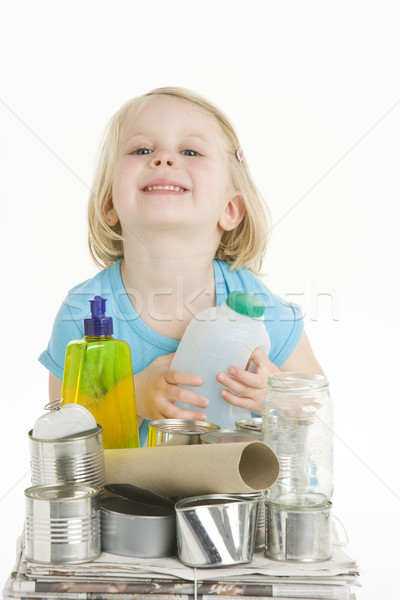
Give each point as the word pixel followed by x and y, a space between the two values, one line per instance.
pixel 240 154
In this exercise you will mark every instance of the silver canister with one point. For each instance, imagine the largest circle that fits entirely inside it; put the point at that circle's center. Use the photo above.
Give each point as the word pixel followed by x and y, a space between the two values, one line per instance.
pixel 177 432
pixel 253 425
pixel 215 530
pixel 137 529
pixel 298 534
pixel 62 523
pixel 77 458
pixel 227 436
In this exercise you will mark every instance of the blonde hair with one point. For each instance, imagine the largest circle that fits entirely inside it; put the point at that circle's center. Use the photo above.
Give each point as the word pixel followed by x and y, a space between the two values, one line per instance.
pixel 243 247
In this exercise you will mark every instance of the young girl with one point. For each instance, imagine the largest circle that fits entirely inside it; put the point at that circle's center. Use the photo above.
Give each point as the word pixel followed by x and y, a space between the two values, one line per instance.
pixel 176 223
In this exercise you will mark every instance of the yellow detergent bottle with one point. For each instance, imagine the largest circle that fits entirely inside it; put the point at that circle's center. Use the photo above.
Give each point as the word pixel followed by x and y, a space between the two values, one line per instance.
pixel 98 375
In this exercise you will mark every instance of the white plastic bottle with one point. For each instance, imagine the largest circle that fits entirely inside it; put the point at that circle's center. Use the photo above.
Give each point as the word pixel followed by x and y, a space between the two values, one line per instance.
pixel 216 339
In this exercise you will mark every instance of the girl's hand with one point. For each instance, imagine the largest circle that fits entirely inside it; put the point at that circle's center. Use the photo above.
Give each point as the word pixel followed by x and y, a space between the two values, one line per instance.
pixel 157 389
pixel 246 389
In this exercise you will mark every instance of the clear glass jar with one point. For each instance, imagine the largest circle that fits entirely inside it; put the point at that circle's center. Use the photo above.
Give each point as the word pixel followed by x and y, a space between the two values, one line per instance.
pixel 298 426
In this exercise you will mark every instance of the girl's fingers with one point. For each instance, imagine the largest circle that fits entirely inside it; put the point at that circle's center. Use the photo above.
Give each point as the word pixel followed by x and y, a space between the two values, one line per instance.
pixel 238 376
pixel 167 409
pixel 240 386
pixel 242 401
pixel 174 412
pixel 257 379
pixel 177 393
pixel 262 361
pixel 180 377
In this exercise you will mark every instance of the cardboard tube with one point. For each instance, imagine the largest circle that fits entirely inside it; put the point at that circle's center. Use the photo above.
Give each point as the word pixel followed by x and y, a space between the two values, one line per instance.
pixel 240 467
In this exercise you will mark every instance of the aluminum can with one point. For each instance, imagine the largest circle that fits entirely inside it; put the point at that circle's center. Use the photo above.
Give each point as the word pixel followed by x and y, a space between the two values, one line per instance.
pixel 227 436
pixel 137 529
pixel 62 523
pixel 298 534
pixel 177 432
pixel 77 459
pixel 215 530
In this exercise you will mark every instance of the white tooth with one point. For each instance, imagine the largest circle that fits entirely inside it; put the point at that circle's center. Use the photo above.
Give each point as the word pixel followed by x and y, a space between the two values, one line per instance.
pixel 172 188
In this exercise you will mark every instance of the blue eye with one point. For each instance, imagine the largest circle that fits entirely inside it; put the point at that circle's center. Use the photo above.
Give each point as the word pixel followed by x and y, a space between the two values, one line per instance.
pixel 190 153
pixel 142 151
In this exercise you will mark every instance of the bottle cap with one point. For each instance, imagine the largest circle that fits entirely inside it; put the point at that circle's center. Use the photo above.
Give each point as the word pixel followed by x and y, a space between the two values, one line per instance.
pixel 63 421
pixel 98 324
pixel 246 304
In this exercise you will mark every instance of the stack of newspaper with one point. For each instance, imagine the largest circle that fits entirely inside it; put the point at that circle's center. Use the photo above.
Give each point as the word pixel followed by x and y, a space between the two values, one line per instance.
pixel 123 578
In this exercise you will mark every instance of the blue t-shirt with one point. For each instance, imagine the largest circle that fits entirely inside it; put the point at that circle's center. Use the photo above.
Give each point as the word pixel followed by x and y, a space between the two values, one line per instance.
pixel 283 321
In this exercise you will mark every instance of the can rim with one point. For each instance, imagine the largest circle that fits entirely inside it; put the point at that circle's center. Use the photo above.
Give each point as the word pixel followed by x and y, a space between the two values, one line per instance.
pixel 87 491
pixel 66 440
pixel 232 432
pixel 226 500
pixel 177 426
pixel 302 509
pixel 109 511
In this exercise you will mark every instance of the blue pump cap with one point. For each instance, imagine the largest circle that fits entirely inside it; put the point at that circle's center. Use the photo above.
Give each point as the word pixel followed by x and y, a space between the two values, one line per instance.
pixel 98 324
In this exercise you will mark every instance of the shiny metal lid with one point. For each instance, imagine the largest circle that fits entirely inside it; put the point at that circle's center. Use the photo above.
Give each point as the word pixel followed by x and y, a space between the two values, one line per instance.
pixel 63 420
pixel 62 491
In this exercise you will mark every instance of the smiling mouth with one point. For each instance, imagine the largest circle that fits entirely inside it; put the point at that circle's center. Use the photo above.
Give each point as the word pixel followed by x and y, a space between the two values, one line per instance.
pixel 167 188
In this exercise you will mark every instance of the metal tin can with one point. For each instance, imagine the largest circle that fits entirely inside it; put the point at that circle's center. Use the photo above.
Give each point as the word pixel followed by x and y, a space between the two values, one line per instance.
pixel 253 425
pixel 77 459
pixel 137 529
pixel 62 523
pixel 298 534
pixel 215 530
pixel 227 436
pixel 177 432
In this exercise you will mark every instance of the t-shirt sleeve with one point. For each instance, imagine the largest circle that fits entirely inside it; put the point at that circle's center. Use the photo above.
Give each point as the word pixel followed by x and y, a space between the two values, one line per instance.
pixel 285 324
pixel 65 329
pixel 283 320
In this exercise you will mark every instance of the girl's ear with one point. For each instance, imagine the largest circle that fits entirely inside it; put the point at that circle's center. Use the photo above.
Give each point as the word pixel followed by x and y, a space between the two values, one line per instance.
pixel 233 213
pixel 109 213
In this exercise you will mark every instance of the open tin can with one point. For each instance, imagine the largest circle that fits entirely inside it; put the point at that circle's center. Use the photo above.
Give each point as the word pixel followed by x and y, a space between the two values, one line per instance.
pixel 78 458
pixel 298 534
pixel 177 432
pixel 216 530
pixel 137 522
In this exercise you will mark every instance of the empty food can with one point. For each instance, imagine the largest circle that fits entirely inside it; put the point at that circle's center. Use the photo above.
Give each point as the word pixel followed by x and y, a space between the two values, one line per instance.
pixel 298 534
pixel 216 530
pixel 177 432
pixel 137 529
pixel 62 523
pixel 78 458
pixel 228 436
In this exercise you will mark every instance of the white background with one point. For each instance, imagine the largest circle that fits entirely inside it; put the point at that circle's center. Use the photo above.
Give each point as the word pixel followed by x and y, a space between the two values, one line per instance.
pixel 313 90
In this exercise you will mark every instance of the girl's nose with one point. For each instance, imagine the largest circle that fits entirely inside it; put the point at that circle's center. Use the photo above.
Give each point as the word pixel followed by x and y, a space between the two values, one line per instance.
pixel 163 157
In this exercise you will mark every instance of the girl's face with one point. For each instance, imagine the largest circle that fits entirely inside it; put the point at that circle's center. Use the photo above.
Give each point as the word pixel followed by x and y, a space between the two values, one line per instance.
pixel 172 172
